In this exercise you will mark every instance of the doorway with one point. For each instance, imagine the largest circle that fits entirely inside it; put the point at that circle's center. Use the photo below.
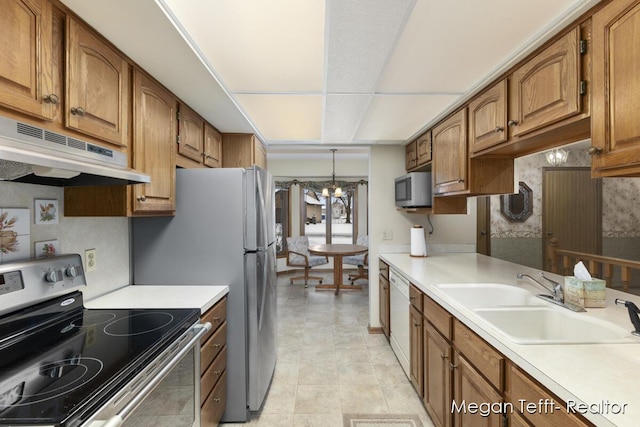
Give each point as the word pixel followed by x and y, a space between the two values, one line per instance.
pixel 571 210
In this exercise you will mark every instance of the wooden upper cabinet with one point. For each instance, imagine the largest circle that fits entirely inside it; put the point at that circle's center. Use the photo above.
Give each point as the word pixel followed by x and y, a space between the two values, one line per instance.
pixel 615 128
pixel 546 89
pixel 26 66
pixel 411 155
pixel 242 150
pixel 423 148
pixel 450 154
pixel 190 134
pixel 212 147
pixel 488 118
pixel 97 86
pixel 154 131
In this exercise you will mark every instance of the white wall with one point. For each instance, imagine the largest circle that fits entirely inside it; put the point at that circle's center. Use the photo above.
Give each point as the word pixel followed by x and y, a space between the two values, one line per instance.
pixel 386 164
pixel 109 236
pixel 347 166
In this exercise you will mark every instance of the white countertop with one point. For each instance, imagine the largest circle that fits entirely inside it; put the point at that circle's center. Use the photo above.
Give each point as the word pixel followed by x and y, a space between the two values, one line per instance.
pixel 161 296
pixel 585 373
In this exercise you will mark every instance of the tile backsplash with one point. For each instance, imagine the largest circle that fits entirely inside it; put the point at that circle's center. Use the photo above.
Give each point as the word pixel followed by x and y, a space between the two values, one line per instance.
pixel 108 235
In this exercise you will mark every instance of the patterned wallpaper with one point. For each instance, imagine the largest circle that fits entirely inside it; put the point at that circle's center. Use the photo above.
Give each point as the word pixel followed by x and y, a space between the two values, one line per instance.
pixel 620 204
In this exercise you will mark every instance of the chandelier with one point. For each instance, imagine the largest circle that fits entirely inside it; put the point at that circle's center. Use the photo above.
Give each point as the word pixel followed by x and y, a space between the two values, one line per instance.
pixel 337 191
pixel 556 157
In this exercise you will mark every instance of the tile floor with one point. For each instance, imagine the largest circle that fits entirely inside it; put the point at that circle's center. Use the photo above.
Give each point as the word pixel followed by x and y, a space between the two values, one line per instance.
pixel 328 364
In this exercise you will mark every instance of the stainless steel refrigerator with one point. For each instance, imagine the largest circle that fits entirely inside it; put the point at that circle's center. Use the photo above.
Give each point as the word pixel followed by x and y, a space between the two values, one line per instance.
pixel 223 232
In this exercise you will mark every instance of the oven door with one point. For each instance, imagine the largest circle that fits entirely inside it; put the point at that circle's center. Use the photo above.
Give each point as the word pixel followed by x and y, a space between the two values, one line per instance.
pixel 165 393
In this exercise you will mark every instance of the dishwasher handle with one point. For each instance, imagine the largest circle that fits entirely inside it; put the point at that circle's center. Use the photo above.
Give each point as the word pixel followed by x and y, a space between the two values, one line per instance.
pixel 118 419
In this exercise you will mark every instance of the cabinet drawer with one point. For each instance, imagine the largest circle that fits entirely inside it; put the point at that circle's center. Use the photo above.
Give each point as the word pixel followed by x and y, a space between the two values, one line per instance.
pixel 213 407
pixel 212 374
pixel 438 316
pixel 212 347
pixel 384 269
pixel 415 296
pixel 522 388
pixel 485 358
pixel 216 315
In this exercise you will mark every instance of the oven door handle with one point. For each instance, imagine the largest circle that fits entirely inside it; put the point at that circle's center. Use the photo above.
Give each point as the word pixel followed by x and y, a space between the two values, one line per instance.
pixel 118 419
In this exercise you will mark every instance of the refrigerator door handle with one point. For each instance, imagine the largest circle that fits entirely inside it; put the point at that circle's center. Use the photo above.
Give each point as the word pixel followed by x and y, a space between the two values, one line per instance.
pixel 263 211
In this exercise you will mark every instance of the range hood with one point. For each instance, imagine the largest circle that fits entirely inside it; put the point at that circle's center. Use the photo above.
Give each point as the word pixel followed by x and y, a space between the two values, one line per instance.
pixel 38 156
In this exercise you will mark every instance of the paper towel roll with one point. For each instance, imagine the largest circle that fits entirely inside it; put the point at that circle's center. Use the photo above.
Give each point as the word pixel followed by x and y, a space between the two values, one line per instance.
pixel 418 244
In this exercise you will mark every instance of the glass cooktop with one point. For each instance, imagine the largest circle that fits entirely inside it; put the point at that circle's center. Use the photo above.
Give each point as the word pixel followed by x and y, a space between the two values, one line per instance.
pixel 60 362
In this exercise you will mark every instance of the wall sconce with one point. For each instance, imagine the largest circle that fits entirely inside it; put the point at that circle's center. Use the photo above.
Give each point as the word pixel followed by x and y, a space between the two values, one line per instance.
pixel 557 156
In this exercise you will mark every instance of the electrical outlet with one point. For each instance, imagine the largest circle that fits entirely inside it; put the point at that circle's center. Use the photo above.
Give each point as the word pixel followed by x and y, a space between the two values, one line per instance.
pixel 90 260
pixel 387 234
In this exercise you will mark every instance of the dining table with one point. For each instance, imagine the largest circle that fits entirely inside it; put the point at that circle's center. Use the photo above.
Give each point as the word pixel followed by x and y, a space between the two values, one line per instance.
pixel 337 251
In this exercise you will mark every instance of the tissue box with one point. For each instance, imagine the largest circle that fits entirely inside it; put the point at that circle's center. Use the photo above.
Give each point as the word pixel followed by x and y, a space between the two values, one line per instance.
pixel 585 293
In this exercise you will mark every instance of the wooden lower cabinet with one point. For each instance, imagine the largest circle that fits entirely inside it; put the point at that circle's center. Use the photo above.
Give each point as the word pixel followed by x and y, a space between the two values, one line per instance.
pixel 437 376
pixel 470 387
pixel 467 382
pixel 213 364
pixel 522 390
pixel 416 360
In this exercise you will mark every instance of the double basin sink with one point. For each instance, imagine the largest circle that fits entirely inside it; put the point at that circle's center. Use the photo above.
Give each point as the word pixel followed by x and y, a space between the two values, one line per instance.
pixel 526 319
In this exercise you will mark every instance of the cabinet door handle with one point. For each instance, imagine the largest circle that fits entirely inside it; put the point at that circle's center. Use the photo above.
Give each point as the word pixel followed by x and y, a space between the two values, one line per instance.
pixel 217 345
pixel 216 373
pixel 498 129
pixel 460 181
pixel 217 319
pixel 52 98
pixel 78 111
pixel 594 150
pixel 453 366
pixel 142 198
pixel 416 324
pixel 216 399
pixel 512 123
pixel 444 356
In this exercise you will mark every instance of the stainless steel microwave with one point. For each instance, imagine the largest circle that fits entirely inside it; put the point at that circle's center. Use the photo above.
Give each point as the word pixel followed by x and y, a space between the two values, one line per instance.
pixel 413 190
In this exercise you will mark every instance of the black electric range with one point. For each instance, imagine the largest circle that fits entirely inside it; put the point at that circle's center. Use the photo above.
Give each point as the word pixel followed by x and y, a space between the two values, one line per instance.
pixel 60 362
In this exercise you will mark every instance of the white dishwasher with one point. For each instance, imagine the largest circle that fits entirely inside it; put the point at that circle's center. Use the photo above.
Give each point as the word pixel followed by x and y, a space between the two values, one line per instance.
pixel 399 318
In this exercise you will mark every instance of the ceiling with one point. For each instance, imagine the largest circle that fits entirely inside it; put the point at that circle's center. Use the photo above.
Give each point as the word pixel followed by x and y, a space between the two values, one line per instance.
pixel 317 74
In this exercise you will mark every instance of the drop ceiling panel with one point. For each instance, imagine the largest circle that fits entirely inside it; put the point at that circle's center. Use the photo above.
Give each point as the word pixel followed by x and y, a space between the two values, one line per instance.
pixel 398 117
pixel 362 34
pixel 285 117
pixel 257 45
pixel 342 116
pixel 448 46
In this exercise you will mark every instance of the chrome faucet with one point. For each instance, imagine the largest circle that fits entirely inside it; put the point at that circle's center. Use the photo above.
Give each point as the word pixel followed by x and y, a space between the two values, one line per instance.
pixel 557 295
pixel 556 290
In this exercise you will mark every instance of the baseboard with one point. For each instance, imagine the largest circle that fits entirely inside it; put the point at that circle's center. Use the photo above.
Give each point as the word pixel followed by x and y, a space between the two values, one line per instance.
pixel 377 330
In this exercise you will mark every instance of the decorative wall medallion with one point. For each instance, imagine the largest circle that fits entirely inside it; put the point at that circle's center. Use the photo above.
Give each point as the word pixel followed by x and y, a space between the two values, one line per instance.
pixel 517 207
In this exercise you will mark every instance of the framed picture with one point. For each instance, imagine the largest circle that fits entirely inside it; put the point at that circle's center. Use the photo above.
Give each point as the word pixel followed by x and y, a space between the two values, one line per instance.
pixel 46 211
pixel 14 234
pixel 47 248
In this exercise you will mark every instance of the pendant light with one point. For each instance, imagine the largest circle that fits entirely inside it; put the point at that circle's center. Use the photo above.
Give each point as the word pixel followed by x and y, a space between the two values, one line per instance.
pixel 337 191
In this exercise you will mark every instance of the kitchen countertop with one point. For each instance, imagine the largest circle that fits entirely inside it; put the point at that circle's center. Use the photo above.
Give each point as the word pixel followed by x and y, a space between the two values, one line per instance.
pixel 585 373
pixel 161 296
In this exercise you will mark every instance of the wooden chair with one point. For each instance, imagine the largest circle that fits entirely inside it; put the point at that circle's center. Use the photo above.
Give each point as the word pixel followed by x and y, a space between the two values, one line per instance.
pixel 361 260
pixel 298 256
pixel 562 262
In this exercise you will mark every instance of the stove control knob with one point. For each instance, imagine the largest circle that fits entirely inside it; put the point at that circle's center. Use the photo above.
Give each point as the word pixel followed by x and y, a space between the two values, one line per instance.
pixel 53 276
pixel 71 271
